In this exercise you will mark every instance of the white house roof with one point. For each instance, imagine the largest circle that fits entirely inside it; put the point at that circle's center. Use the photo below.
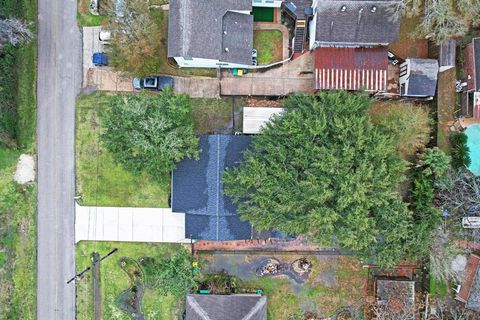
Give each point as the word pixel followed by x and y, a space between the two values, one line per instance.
pixel 254 118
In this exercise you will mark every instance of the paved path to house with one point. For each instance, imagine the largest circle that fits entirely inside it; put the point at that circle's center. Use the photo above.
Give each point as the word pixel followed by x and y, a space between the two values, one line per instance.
pixel 292 76
pixel 59 77
pixel 129 224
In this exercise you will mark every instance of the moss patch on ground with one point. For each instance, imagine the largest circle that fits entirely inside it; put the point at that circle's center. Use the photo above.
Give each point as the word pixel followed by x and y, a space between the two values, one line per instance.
pixel 410 44
pixel 99 180
pixel 114 280
pixel 212 115
pixel 269 45
pixel 446 106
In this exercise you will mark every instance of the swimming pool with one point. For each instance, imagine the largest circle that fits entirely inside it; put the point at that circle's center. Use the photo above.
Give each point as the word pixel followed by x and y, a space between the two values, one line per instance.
pixel 473 143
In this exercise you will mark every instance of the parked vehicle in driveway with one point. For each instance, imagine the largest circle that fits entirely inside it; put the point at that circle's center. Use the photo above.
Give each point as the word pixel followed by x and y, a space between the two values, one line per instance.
pixel 100 59
pixel 153 83
pixel 105 36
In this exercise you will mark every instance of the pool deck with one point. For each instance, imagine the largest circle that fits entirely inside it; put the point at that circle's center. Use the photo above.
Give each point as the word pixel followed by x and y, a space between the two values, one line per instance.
pixel 466 122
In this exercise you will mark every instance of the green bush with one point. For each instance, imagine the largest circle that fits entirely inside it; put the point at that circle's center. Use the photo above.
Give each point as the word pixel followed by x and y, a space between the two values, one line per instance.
pixel 150 133
pixel 459 151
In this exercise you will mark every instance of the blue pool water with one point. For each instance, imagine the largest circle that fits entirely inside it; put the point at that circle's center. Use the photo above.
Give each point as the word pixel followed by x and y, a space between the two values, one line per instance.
pixel 473 143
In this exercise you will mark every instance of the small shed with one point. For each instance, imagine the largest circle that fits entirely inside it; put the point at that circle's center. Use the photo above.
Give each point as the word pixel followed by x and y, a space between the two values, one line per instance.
pixel 469 292
pixel 418 78
pixel 226 307
pixel 255 118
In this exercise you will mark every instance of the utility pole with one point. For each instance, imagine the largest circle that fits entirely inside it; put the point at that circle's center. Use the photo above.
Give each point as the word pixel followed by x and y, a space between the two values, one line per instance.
pixel 79 276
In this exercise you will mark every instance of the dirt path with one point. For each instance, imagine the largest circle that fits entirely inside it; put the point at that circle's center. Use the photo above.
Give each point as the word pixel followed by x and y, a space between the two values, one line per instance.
pixel 97 296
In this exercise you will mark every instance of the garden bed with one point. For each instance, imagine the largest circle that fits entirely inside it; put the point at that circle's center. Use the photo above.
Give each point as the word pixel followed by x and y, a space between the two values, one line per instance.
pixel 116 280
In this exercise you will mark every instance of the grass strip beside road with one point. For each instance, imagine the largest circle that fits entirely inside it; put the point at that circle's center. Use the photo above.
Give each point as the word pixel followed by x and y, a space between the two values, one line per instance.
pixel 99 180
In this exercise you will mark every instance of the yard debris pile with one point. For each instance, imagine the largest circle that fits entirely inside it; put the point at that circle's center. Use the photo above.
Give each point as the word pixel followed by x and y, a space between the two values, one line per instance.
pixel 271 268
pixel 263 103
pixel 301 266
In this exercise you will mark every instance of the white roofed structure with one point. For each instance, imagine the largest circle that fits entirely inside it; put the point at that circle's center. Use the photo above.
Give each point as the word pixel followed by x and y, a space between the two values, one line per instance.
pixel 254 118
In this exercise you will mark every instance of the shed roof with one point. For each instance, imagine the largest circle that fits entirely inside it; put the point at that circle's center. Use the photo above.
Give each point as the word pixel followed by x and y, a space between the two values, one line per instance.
pixel 197 190
pixel 254 118
pixel 211 29
pixel 423 77
pixel 470 289
pixel 362 22
pixel 226 307
pixel 347 68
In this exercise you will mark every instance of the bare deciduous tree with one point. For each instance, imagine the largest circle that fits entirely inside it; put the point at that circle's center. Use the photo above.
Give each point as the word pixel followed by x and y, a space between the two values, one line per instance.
pixel 14 32
pixel 460 193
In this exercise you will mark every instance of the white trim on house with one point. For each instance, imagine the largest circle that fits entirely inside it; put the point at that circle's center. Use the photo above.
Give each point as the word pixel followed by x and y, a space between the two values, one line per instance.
pixel 267 3
pixel 192 62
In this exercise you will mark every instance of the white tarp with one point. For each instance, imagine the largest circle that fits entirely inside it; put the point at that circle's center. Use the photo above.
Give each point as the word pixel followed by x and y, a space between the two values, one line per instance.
pixel 129 224
pixel 254 118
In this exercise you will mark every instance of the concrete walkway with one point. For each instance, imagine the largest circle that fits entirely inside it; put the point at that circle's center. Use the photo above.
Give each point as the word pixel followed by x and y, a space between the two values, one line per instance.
pixel 292 76
pixel 129 224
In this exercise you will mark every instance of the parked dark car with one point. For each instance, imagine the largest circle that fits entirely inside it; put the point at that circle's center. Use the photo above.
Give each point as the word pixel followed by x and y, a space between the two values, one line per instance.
pixel 153 83
pixel 100 59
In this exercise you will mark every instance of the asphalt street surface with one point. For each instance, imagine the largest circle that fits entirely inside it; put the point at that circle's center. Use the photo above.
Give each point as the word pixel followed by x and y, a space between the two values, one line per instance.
pixel 58 83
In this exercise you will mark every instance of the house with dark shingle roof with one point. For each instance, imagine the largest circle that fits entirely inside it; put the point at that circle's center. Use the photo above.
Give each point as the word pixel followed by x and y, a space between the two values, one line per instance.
pixel 226 307
pixel 197 190
pixel 350 39
pixel 211 33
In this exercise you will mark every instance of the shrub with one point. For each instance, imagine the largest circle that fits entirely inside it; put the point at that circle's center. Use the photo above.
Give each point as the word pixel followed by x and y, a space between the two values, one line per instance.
pixel 459 151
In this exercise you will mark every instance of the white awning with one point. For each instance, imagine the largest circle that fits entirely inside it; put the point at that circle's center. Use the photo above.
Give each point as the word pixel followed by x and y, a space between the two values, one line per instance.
pixel 254 118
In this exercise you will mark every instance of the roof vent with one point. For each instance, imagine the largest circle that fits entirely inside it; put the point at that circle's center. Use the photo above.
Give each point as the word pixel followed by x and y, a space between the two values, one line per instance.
pixel 226 50
pixel 343 8
pixel 225 32
pixel 373 9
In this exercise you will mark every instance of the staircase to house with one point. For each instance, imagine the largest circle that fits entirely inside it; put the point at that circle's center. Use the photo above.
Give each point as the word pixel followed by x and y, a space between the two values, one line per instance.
pixel 298 45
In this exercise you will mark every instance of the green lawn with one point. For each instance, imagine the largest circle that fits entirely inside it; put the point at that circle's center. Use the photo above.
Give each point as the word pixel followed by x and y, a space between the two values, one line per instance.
pixel 99 180
pixel 18 204
pixel 262 14
pixel 212 115
pixel 18 247
pixel 114 280
pixel 269 45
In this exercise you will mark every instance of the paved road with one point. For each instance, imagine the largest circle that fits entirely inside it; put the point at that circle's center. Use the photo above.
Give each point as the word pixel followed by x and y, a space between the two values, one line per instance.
pixel 59 80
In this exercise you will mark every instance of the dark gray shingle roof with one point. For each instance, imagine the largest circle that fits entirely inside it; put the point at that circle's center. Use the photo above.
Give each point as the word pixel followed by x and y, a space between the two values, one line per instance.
pixel 226 307
pixel 197 29
pixel 198 192
pixel 357 24
pixel 423 77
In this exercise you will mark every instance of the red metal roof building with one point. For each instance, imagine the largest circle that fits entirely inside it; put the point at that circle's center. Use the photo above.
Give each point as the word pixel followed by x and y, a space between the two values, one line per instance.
pixel 469 291
pixel 349 68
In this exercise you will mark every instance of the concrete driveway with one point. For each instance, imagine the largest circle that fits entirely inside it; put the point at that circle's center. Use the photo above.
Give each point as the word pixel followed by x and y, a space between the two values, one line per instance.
pixel 107 79
pixel 292 76
pixel 129 224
